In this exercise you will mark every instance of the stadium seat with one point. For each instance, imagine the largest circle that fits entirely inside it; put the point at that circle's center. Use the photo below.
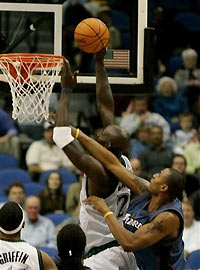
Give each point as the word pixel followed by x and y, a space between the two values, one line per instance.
pixel 33 188
pixel 7 161
pixel 193 262
pixel 175 63
pixel 50 251
pixel 175 4
pixel 120 20
pixel 189 20
pixel 57 218
pixel 67 176
pixel 8 176
pixel 3 199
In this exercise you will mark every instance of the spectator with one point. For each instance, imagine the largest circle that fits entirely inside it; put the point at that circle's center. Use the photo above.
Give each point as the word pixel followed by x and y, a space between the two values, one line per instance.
pixel 141 115
pixel 168 104
pixel 71 242
pixel 158 156
pixel 16 193
pixel 192 183
pixel 52 198
pixel 39 231
pixel 190 76
pixel 104 14
pixel 44 155
pixel 192 154
pixel 188 79
pixel 195 199
pixel 183 136
pixel 141 141
pixel 9 142
pixel 191 230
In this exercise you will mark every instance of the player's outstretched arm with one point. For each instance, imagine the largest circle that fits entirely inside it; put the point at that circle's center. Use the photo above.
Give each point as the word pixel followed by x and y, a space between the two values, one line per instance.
pixel 136 184
pixel 104 97
pixel 147 235
pixel 72 148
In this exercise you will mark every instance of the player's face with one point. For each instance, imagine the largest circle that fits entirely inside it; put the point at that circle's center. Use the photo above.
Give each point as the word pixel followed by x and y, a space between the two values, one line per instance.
pixel 157 182
pixel 54 181
pixel 103 137
pixel 16 194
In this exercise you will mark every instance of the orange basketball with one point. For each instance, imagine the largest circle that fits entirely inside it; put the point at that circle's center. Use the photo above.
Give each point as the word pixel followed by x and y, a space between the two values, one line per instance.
pixel 91 35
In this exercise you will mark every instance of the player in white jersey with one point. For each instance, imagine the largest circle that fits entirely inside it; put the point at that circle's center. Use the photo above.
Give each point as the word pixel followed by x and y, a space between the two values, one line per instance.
pixel 16 254
pixel 99 181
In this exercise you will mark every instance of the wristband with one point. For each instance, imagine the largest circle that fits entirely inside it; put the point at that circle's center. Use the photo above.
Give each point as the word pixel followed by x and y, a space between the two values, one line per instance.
pixel 77 133
pixel 67 90
pixel 108 214
pixel 62 136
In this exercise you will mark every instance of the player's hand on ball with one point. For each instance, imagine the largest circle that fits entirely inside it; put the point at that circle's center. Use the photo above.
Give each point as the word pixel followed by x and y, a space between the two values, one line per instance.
pixel 98 204
pixel 68 80
pixel 99 56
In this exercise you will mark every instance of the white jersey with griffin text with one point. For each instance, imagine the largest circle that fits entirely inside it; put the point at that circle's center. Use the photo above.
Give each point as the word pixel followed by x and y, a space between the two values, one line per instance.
pixel 92 222
pixel 19 255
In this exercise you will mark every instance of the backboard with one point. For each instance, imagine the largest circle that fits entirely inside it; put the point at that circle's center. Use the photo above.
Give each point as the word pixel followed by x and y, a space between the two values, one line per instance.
pixel 48 28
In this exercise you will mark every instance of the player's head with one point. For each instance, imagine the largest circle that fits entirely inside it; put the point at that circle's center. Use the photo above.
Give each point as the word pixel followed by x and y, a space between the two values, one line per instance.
pixel 115 139
pixel 168 183
pixel 71 242
pixel 11 219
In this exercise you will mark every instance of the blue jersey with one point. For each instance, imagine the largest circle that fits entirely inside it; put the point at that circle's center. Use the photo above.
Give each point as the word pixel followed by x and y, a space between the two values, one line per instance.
pixel 166 254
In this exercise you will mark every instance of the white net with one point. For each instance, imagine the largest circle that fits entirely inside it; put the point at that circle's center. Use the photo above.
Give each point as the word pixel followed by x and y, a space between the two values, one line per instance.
pixel 31 78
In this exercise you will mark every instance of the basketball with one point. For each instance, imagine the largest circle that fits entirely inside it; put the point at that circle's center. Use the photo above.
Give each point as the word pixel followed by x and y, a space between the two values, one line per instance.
pixel 91 35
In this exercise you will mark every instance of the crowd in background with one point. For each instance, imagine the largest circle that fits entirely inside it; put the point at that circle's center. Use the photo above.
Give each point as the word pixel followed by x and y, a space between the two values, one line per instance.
pixel 164 128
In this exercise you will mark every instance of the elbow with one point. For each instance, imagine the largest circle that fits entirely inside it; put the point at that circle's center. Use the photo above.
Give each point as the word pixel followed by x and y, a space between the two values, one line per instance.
pixel 128 246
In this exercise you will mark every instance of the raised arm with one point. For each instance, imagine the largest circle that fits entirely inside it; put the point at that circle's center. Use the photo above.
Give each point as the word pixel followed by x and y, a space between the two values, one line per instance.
pixel 136 184
pixel 105 103
pixel 72 148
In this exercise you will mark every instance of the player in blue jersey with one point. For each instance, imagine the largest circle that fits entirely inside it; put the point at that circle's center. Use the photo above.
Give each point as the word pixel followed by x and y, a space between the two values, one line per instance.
pixel 154 222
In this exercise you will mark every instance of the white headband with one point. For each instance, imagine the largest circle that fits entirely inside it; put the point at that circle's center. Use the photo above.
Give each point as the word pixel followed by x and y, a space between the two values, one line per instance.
pixel 18 228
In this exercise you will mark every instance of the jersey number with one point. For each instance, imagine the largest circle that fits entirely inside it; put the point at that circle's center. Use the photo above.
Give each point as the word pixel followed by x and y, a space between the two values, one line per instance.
pixel 122 204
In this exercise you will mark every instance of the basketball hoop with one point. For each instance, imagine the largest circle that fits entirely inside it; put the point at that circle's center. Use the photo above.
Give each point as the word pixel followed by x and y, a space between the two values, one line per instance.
pixel 31 78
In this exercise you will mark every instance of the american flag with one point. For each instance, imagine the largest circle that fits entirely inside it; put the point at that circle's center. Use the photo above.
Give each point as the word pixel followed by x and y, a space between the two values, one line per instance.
pixel 118 59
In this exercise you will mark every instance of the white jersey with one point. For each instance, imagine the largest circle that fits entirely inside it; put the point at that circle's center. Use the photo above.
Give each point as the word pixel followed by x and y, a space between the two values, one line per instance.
pixel 92 222
pixel 19 255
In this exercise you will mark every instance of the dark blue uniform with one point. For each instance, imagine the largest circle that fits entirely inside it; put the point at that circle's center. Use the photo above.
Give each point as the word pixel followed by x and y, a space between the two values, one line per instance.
pixel 166 254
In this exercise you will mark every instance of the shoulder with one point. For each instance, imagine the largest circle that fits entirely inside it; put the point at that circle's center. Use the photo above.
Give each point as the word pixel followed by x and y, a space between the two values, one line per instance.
pixel 166 219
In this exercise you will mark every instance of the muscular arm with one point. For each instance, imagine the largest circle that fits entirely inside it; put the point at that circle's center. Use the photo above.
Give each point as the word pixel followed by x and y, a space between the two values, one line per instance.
pixel 105 103
pixel 136 184
pixel 84 162
pixel 147 235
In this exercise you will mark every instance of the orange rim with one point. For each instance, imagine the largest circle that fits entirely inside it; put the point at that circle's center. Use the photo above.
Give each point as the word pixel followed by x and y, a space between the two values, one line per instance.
pixel 31 61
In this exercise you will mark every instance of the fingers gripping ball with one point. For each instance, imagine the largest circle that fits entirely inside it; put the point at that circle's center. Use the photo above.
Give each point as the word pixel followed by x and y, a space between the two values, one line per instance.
pixel 91 35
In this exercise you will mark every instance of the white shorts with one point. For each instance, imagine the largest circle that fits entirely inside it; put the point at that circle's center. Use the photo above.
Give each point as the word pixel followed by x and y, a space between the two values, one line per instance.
pixel 114 258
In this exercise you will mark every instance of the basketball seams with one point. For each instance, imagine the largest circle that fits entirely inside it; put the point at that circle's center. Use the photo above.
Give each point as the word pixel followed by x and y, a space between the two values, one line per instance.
pixel 97 41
